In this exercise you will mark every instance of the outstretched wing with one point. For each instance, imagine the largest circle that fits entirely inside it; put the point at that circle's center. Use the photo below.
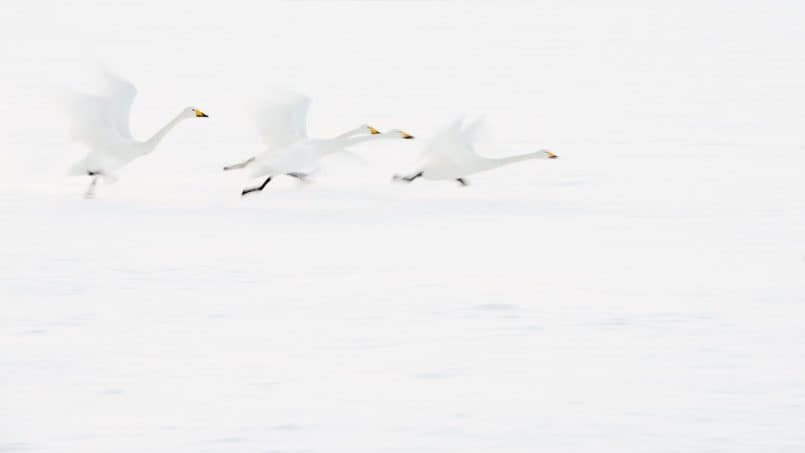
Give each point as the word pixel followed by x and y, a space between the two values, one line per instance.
pixel 100 120
pixel 473 131
pixel 452 145
pixel 120 94
pixel 282 120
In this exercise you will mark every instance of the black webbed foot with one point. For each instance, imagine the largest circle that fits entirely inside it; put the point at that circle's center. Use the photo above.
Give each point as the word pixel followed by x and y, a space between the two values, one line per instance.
pixel 406 178
pixel 255 189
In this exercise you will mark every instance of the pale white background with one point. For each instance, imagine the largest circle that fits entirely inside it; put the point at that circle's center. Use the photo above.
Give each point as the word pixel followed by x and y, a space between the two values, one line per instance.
pixel 642 293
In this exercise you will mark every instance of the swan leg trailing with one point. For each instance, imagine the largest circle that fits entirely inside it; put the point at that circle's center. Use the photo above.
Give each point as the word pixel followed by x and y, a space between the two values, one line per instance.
pixel 256 189
pixel 90 193
pixel 304 177
pixel 407 178
pixel 240 164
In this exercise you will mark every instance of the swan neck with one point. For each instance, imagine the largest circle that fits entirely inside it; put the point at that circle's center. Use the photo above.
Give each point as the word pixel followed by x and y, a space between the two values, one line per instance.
pixel 152 142
pixel 340 144
pixel 348 133
pixel 494 163
pixel 349 141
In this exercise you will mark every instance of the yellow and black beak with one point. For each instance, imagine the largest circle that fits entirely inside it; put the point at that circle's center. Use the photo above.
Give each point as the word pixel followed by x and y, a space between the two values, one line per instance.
pixel 406 135
pixel 551 155
pixel 200 114
pixel 373 131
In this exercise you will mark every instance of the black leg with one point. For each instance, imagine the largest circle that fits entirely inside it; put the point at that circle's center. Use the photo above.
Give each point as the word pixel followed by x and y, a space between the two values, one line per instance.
pixel 90 193
pixel 239 165
pixel 406 178
pixel 300 176
pixel 463 181
pixel 256 189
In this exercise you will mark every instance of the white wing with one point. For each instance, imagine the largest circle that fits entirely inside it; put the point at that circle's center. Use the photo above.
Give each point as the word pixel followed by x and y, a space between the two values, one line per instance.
pixel 474 130
pixel 120 94
pixel 452 145
pixel 101 120
pixel 282 120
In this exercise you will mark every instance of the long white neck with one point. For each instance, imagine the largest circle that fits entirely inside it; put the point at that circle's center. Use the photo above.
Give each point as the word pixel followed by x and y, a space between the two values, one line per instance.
pixel 152 142
pixel 349 133
pixel 350 141
pixel 486 163
pixel 344 140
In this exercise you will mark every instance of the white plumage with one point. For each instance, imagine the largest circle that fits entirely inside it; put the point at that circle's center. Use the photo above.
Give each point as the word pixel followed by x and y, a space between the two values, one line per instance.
pixel 101 123
pixel 451 154
pixel 282 127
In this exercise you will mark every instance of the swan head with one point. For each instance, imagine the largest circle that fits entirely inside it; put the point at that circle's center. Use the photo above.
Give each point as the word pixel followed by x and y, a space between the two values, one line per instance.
pixel 192 112
pixel 368 129
pixel 547 154
pixel 399 133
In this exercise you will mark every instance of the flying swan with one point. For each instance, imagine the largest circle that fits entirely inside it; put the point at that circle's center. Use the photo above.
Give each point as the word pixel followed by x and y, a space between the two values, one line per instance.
pixel 101 123
pixel 450 155
pixel 282 127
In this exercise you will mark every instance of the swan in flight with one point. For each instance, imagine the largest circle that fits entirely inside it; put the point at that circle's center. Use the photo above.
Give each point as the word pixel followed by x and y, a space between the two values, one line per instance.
pixel 451 155
pixel 301 158
pixel 282 127
pixel 358 131
pixel 101 123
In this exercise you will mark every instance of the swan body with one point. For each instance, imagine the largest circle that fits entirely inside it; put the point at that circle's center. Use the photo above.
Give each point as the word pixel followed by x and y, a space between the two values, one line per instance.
pixel 451 155
pixel 304 155
pixel 101 123
pixel 282 127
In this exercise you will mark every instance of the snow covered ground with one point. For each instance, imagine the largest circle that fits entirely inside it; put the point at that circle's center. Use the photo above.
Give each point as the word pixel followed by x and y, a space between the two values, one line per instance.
pixel 644 292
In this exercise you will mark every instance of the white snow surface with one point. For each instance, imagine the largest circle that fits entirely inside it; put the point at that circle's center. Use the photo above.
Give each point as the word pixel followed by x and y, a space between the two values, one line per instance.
pixel 642 293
